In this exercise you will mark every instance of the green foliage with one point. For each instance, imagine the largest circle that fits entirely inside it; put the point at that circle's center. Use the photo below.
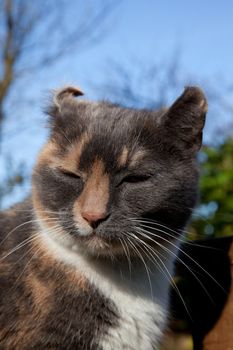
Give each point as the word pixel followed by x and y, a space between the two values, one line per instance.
pixel 216 187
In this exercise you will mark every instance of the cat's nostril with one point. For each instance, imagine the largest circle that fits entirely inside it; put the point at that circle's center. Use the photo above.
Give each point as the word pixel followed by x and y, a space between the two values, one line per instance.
pixel 94 218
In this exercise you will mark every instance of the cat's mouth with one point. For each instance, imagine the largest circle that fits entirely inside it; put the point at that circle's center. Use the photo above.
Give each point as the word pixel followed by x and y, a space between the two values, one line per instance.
pixel 100 245
pixel 94 243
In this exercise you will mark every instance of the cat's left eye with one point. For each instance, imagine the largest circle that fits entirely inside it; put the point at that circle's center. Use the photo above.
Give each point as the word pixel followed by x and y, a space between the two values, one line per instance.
pixel 134 179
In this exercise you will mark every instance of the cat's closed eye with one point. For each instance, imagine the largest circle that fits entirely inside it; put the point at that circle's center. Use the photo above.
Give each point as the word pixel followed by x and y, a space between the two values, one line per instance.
pixel 134 179
pixel 69 173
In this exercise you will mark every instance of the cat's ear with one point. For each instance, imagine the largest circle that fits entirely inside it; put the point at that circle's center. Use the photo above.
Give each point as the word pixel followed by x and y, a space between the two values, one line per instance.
pixel 183 122
pixel 63 100
pixel 67 93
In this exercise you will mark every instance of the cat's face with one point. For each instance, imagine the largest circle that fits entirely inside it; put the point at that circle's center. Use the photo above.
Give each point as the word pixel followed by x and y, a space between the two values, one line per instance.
pixel 111 179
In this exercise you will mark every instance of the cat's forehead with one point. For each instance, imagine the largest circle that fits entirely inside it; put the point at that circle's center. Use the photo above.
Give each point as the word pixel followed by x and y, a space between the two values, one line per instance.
pixel 99 116
pixel 100 130
pixel 111 152
pixel 112 128
pixel 88 133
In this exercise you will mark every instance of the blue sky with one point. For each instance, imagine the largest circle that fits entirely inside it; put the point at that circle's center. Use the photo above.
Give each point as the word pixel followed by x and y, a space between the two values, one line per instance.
pixel 202 30
pixel 150 31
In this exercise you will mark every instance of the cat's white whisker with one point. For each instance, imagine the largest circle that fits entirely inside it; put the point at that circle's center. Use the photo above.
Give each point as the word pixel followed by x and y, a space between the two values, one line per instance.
pixel 20 245
pixel 53 231
pixel 177 234
pixel 155 255
pixel 146 267
pixel 23 224
pixel 177 258
pixel 31 211
pixel 127 254
pixel 183 252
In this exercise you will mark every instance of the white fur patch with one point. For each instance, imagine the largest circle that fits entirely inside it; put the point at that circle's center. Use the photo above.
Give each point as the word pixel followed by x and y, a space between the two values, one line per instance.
pixel 142 310
pixel 137 329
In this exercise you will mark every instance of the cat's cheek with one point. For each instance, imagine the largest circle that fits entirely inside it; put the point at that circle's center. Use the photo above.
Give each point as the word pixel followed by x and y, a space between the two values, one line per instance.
pixel 138 200
pixel 54 192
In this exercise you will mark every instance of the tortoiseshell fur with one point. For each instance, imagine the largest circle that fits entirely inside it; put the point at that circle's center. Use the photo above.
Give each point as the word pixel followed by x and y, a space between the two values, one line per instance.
pixel 66 279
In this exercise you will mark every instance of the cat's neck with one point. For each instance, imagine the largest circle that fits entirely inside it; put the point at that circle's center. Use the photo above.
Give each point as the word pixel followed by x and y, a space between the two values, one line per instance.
pixel 144 276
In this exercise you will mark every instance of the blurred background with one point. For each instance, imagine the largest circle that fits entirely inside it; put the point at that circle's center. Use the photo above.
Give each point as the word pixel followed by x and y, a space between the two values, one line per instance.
pixel 137 53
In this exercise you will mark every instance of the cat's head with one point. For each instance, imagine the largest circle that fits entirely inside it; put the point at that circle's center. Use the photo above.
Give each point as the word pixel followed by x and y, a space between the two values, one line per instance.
pixel 112 179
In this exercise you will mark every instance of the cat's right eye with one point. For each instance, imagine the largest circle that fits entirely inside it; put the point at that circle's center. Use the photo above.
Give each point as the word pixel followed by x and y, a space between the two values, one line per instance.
pixel 69 174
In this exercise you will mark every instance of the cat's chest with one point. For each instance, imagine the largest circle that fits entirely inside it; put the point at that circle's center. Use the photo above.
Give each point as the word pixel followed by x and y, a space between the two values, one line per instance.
pixel 126 309
pixel 140 323
pixel 141 308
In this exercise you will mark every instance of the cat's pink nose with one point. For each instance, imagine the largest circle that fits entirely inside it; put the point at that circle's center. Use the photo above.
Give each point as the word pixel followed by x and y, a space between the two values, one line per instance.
pixel 94 218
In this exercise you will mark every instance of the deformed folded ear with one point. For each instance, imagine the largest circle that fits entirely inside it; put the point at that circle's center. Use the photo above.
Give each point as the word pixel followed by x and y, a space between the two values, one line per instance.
pixel 63 110
pixel 65 93
pixel 184 120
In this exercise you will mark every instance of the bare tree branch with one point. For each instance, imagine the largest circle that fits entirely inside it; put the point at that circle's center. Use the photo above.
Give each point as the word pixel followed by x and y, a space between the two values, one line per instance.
pixel 36 34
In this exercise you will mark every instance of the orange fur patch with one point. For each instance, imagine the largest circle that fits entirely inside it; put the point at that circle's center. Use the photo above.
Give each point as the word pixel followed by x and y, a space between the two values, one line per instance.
pixel 70 161
pixel 123 157
pixel 41 292
pixel 48 154
pixel 77 281
pixel 95 195
pixel 136 157
pixel 72 158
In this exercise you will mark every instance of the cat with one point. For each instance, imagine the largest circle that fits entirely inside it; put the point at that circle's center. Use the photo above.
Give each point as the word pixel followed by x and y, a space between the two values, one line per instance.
pixel 86 261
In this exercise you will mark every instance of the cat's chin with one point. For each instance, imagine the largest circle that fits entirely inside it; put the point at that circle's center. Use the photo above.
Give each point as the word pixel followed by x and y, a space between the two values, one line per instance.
pixel 92 244
pixel 98 246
